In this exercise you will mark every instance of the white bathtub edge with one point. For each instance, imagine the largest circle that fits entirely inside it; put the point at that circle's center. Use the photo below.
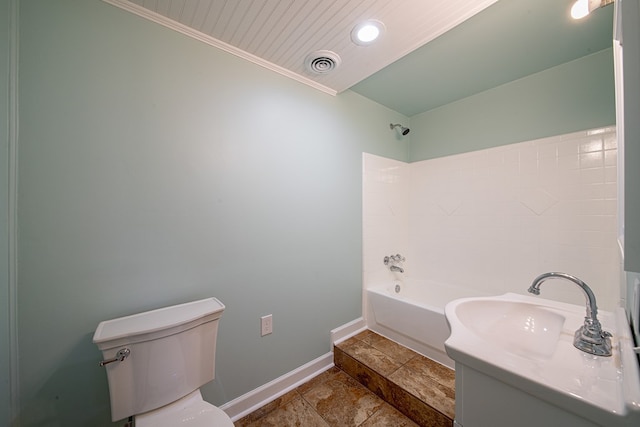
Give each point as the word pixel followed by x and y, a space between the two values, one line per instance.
pixel 425 350
pixel 399 316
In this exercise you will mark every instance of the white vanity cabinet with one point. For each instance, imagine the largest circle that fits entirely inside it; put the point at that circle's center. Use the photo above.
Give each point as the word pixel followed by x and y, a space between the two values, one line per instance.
pixel 483 401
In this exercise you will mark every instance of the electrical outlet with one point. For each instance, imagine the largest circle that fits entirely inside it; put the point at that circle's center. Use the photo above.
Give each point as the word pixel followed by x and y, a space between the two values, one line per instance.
pixel 266 325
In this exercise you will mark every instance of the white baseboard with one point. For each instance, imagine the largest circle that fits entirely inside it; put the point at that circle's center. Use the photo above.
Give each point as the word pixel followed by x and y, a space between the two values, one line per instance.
pixel 347 330
pixel 249 402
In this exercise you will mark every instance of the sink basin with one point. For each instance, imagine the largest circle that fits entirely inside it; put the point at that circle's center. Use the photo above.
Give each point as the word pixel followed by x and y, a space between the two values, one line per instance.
pixel 521 328
pixel 527 342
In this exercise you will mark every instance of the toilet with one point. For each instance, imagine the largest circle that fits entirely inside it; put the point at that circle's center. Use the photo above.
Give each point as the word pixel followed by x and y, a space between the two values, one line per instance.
pixel 157 361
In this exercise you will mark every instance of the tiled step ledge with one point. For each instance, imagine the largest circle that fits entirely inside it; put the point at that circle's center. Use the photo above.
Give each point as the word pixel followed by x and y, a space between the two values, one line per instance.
pixel 418 387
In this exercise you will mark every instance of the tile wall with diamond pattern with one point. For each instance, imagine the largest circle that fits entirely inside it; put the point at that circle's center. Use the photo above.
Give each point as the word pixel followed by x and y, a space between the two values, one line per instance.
pixel 494 219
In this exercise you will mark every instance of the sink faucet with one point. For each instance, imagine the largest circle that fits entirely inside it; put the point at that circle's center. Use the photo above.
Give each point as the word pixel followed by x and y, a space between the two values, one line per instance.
pixel 590 337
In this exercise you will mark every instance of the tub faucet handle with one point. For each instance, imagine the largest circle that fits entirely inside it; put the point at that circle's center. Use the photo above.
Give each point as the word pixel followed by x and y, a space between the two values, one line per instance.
pixel 392 261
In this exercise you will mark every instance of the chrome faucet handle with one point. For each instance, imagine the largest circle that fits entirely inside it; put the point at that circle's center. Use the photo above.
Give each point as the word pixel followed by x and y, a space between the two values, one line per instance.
pixel 590 337
pixel 593 340
pixel 393 259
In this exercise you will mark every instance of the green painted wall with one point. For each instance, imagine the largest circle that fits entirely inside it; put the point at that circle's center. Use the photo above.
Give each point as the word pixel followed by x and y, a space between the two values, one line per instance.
pixel 574 96
pixel 154 170
pixel 4 214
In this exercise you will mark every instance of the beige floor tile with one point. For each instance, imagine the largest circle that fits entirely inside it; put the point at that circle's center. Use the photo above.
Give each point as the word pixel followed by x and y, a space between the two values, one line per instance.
pixel 395 351
pixel 388 416
pixel 295 413
pixel 336 399
pixel 370 356
pixel 342 401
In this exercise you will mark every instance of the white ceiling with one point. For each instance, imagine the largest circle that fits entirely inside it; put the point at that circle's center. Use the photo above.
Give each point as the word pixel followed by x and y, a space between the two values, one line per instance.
pixel 432 53
pixel 280 34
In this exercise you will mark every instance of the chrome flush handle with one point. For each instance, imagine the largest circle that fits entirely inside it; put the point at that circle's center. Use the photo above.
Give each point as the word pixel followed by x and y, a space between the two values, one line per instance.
pixel 122 354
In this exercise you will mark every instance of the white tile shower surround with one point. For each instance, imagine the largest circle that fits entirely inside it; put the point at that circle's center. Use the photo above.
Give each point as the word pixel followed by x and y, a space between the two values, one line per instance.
pixel 494 219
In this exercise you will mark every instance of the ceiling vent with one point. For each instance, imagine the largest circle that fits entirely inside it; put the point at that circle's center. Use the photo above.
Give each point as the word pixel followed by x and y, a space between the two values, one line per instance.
pixel 322 61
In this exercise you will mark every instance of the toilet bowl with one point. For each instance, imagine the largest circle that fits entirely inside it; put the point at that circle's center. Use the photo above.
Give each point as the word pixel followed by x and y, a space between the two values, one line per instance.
pixel 191 411
pixel 156 362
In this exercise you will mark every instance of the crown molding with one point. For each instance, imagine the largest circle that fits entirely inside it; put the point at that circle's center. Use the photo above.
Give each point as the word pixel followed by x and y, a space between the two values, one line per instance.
pixel 190 32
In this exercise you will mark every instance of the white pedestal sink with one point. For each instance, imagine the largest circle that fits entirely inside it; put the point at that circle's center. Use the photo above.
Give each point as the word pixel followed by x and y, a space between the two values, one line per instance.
pixel 516 365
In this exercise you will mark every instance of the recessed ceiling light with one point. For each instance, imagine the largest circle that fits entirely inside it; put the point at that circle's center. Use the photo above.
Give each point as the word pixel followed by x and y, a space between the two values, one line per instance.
pixel 582 8
pixel 367 32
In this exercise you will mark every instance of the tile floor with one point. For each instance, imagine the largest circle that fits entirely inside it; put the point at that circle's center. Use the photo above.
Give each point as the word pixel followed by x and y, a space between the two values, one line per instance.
pixel 332 398
pixel 371 376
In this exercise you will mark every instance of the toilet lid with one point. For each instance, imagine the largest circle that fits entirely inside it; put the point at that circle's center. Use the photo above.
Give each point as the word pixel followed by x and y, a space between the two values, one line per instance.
pixel 190 412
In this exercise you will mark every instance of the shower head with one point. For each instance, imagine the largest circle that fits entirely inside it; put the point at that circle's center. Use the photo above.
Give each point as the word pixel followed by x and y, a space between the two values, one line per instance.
pixel 403 130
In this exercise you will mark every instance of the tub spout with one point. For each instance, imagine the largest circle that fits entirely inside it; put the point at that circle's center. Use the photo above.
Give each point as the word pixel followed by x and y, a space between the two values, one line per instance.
pixel 590 337
pixel 396 268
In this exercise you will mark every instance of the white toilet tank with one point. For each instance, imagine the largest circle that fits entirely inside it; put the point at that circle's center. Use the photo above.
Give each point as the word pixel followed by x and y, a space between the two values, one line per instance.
pixel 171 354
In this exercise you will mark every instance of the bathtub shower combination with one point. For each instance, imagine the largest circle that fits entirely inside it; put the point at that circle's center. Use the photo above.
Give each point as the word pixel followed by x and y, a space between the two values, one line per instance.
pixel 411 312
pixel 483 210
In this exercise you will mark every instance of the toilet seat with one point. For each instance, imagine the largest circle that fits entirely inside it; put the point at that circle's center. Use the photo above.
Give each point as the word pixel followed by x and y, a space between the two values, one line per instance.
pixel 190 411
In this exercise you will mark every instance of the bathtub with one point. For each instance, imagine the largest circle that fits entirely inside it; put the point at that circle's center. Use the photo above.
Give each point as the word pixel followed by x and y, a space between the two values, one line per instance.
pixel 411 312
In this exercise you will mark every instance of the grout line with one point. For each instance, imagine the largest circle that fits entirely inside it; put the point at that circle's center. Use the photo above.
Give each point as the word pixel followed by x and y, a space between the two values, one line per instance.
pixel 428 380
